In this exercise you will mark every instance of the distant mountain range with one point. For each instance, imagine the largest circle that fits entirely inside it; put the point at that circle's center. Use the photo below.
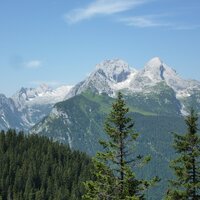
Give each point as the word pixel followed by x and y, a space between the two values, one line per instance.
pixel 154 91
pixel 114 75
pixel 157 96
pixel 28 106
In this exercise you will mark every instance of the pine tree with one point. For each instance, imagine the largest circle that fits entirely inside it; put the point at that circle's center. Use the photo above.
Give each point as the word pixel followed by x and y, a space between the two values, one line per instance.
pixel 186 166
pixel 33 168
pixel 113 167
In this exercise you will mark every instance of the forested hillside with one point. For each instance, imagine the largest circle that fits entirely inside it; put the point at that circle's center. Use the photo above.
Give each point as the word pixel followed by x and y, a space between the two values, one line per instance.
pixel 33 167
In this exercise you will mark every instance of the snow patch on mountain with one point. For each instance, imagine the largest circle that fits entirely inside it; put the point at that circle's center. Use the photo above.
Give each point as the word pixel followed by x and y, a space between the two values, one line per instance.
pixel 107 77
pixel 40 95
pixel 36 103
pixel 126 83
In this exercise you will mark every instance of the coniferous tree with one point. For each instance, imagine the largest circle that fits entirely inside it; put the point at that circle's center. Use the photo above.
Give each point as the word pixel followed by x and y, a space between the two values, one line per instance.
pixel 113 173
pixel 186 166
pixel 35 168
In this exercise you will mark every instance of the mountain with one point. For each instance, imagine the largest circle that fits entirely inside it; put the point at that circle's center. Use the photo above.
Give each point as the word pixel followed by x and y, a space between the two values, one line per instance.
pixel 156 71
pixel 116 75
pixel 36 103
pixel 9 115
pixel 29 105
pixel 40 95
pixel 144 88
pixel 105 78
pixel 156 95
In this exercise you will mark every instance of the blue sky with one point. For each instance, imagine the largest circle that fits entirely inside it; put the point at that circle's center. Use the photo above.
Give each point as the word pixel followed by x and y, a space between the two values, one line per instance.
pixel 60 41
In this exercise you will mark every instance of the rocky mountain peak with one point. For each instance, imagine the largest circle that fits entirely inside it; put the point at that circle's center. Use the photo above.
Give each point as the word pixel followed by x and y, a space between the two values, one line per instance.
pixel 104 78
pixel 29 93
pixel 156 61
pixel 157 70
pixel 43 88
pixel 115 70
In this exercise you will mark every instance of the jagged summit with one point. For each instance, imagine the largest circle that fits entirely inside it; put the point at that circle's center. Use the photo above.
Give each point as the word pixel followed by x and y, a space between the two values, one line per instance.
pixel 43 88
pixel 43 94
pixel 112 63
pixel 30 93
pixel 157 70
pixel 156 61
pixel 116 70
pixel 35 103
pixel 113 75
pixel 104 78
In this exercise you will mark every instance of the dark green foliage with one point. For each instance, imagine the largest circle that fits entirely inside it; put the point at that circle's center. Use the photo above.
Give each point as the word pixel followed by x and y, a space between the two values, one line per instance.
pixel 186 166
pixel 114 176
pixel 35 168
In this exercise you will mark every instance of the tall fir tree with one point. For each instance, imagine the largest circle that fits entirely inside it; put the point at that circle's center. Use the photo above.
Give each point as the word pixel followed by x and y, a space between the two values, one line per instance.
pixel 186 166
pixel 114 178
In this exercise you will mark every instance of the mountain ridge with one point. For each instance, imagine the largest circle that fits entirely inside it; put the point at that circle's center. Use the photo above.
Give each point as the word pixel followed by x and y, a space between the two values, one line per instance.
pixel 109 77
pixel 135 81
